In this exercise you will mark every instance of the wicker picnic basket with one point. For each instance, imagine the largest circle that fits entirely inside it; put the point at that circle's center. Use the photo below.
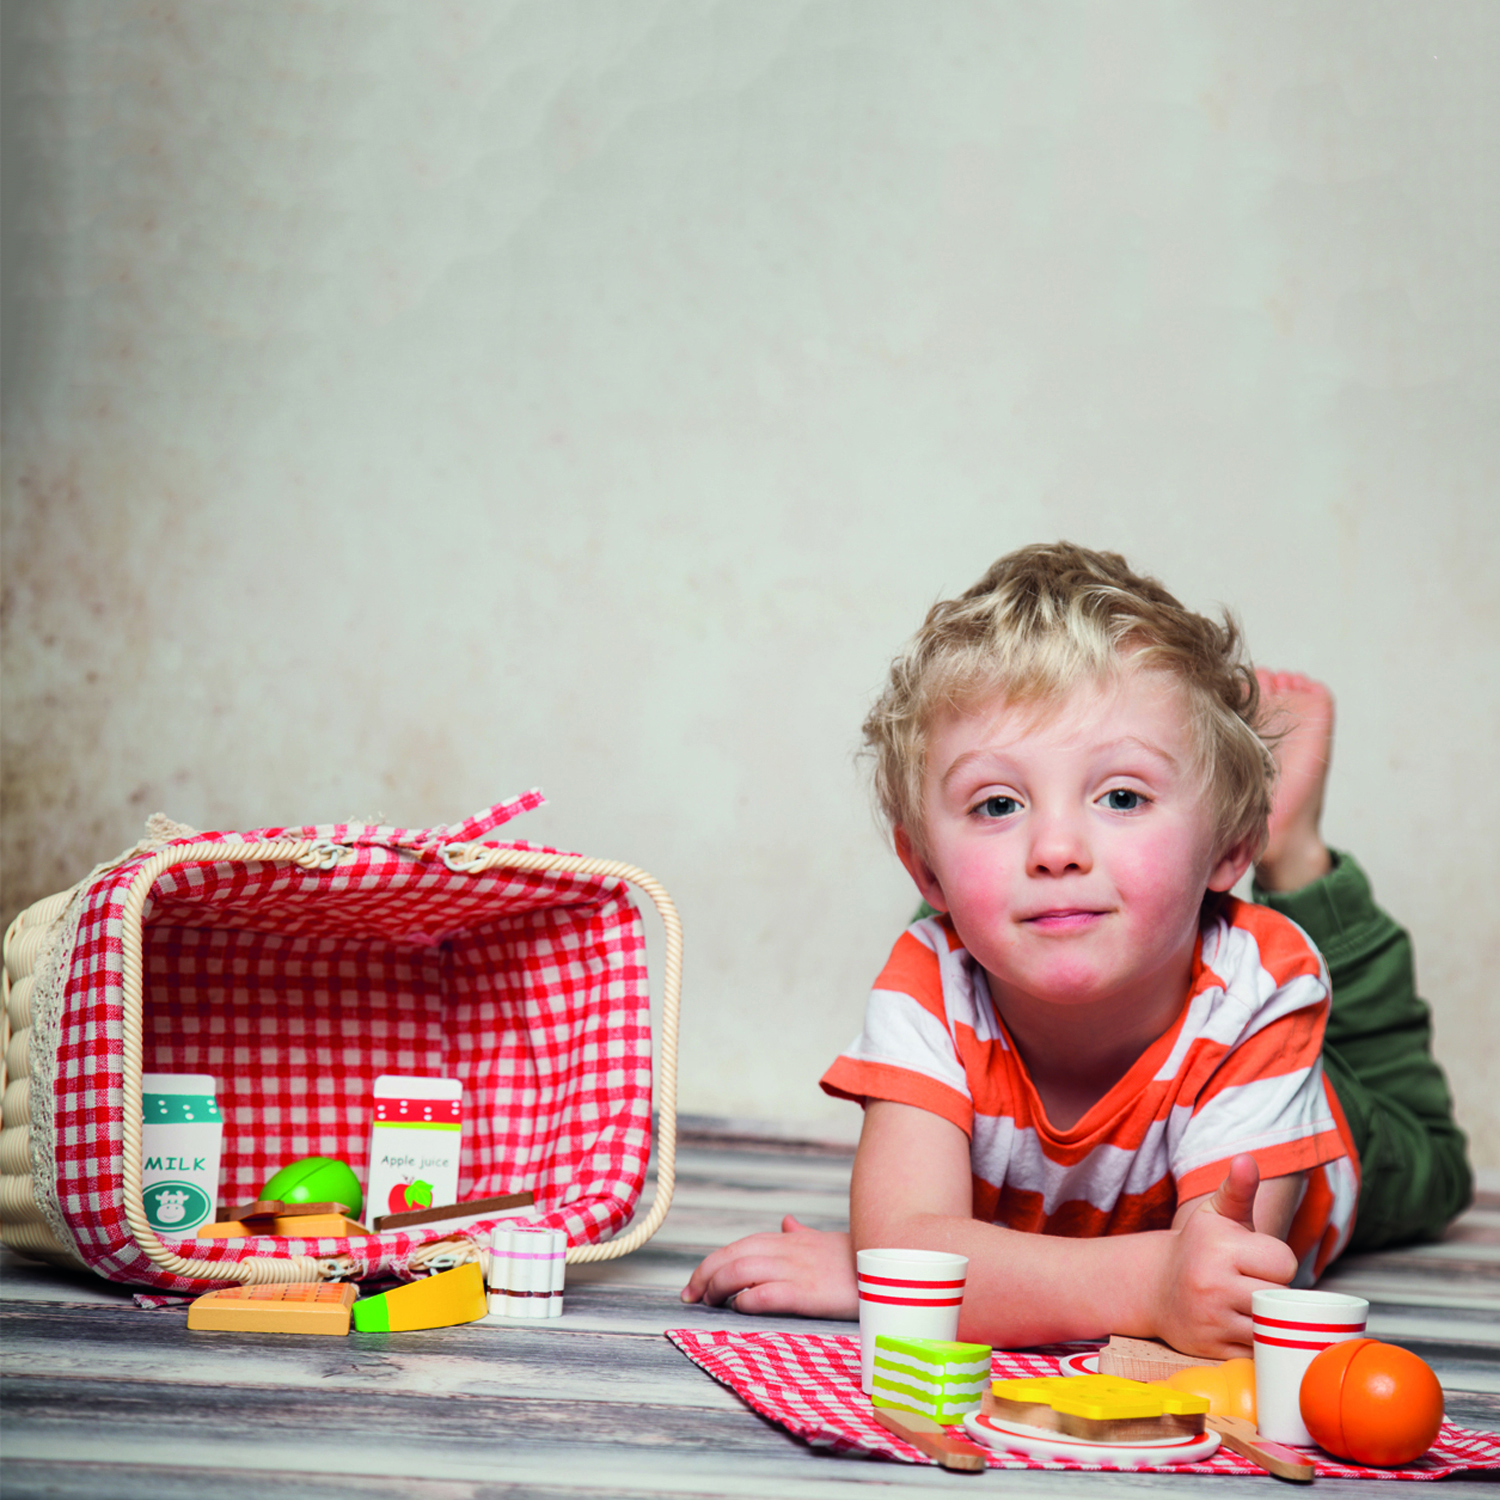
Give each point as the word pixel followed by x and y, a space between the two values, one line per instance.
pixel 297 965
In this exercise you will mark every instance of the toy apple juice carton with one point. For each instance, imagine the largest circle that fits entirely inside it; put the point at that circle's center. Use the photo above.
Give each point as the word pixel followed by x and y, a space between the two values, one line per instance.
pixel 182 1136
pixel 416 1131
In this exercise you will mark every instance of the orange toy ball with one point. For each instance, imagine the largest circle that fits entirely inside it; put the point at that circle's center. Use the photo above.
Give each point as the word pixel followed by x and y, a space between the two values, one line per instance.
pixel 1372 1403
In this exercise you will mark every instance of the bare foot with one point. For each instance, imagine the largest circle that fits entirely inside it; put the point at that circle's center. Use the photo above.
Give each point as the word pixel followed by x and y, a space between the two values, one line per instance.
pixel 1298 713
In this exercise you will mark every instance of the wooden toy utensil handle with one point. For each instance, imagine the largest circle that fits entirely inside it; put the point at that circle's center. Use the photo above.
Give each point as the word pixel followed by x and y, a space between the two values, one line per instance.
pixel 1274 1458
pixel 950 1452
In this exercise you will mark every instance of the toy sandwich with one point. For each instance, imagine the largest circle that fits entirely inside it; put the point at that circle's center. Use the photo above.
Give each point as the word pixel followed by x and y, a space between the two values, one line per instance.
pixel 1097 1408
pixel 932 1377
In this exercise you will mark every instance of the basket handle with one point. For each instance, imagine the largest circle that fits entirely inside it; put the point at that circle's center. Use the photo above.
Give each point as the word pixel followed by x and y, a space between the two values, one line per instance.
pixel 461 858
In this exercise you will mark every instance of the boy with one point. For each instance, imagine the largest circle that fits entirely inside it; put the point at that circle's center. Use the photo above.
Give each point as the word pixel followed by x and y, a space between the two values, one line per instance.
pixel 1093 1071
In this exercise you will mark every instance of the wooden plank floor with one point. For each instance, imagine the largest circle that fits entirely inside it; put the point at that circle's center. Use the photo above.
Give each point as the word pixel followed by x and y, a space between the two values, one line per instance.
pixel 101 1399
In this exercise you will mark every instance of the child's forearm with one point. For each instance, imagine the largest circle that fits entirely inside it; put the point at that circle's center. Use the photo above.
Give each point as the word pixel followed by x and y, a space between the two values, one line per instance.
pixel 1028 1289
pixel 1191 1285
pixel 912 1188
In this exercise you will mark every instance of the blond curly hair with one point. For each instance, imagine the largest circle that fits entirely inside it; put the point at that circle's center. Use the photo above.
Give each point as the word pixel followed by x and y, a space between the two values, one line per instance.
pixel 1041 621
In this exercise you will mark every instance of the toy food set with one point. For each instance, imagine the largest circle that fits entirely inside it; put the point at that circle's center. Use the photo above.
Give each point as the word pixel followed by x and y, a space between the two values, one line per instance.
pixel 809 1384
pixel 1372 1403
pixel 935 1378
pixel 182 1135
pixel 438 1301
pixel 416 1133
pixel 275 1307
pixel 296 966
pixel 527 1267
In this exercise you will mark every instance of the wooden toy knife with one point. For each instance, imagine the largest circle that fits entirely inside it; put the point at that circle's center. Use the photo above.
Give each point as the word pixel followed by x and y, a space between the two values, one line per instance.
pixel 1274 1458
pixel 933 1439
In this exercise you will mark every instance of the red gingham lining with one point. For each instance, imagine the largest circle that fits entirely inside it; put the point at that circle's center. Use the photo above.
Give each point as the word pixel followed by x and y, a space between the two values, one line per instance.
pixel 295 988
pixel 809 1384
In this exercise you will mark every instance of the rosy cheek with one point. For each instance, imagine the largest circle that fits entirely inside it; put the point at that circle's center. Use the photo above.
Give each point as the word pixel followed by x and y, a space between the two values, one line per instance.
pixel 978 883
pixel 1154 868
pixel 1168 876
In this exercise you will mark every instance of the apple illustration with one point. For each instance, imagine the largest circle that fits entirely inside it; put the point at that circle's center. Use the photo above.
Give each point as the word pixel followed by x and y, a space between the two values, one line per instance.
pixel 407 1196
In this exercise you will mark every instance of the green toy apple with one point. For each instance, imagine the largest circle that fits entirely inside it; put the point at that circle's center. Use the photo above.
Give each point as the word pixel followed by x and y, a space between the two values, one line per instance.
pixel 317 1179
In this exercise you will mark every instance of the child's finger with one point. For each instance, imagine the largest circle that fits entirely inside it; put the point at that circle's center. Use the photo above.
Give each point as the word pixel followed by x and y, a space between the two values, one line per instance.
pixel 1265 1265
pixel 707 1270
pixel 1265 1259
pixel 1234 1199
pixel 734 1278
pixel 786 1298
pixel 1236 1342
pixel 711 1268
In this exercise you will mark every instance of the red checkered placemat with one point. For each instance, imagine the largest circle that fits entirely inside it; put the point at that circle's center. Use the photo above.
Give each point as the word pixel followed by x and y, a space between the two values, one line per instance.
pixel 809 1384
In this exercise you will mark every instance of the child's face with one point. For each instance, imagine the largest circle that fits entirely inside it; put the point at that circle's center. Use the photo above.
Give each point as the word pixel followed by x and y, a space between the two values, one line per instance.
pixel 1073 851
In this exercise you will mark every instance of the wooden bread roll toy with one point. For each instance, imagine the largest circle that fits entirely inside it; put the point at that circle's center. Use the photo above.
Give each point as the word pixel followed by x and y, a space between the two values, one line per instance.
pixel 1097 1408
pixel 1101 1419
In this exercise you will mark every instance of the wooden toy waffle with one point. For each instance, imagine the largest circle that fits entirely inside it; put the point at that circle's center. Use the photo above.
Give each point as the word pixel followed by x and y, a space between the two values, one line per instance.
pixel 276 1307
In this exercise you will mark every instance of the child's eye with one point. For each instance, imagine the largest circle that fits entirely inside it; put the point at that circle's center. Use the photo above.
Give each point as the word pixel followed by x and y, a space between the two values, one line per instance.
pixel 1122 799
pixel 998 807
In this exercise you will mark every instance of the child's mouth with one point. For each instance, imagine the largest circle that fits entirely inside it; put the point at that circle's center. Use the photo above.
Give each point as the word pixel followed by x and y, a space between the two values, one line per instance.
pixel 1070 919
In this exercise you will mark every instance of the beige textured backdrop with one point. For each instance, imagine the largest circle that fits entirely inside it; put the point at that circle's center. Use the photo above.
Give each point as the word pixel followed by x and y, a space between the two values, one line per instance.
pixel 408 403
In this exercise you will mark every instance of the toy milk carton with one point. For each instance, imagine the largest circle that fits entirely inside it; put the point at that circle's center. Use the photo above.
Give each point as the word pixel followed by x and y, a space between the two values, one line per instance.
pixel 182 1136
pixel 416 1131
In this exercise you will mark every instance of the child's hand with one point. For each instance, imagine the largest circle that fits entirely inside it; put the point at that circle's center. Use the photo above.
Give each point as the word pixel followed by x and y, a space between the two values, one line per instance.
pixel 806 1272
pixel 1215 1262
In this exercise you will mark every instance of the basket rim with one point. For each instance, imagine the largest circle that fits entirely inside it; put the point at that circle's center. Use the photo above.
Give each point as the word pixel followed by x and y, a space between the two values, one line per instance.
pixel 320 854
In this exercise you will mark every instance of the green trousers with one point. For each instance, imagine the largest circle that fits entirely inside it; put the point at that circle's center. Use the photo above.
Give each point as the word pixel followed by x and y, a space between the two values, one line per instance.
pixel 1377 1052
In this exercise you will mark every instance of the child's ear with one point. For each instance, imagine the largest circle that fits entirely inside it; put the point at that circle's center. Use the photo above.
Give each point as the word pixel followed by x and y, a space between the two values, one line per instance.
pixel 919 870
pixel 1233 863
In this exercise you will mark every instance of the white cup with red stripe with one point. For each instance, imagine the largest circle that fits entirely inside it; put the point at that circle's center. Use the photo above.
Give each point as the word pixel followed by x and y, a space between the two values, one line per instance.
pixel 909 1294
pixel 1291 1329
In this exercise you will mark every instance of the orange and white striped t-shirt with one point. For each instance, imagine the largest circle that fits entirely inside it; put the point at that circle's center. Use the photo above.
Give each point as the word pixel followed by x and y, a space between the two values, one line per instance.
pixel 1240 1070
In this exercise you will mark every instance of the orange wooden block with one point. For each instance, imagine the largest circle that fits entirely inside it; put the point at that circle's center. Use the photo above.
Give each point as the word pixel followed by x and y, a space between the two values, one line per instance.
pixel 276 1307
pixel 296 1226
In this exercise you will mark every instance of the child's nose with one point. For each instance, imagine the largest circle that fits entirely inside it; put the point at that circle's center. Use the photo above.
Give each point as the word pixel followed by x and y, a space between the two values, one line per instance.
pixel 1059 845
